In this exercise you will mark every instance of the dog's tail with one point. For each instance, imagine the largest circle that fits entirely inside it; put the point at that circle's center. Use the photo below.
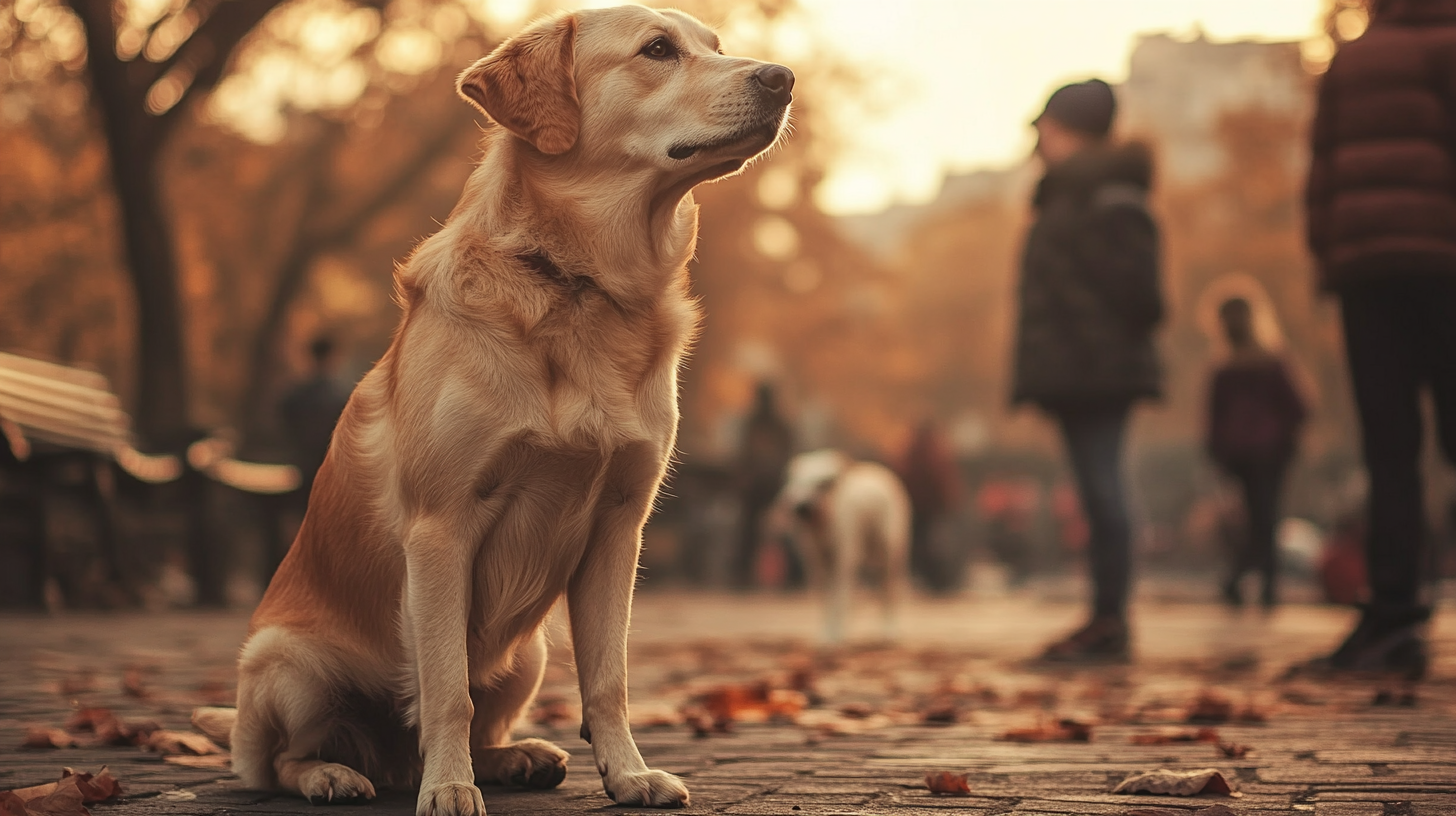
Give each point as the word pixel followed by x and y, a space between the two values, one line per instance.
pixel 216 723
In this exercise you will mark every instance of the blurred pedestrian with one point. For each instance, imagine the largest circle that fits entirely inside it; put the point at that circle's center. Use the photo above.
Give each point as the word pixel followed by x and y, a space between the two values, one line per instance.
pixel 308 412
pixel 1254 416
pixel 768 444
pixel 1090 300
pixel 311 409
pixel 1382 226
pixel 933 479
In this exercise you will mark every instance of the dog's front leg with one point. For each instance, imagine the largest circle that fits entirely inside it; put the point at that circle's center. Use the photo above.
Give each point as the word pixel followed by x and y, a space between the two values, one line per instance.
pixel 436 611
pixel 600 602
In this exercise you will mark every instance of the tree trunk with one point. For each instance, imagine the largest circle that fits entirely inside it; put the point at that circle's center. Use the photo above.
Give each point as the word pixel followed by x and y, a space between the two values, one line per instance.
pixel 161 404
pixel 133 149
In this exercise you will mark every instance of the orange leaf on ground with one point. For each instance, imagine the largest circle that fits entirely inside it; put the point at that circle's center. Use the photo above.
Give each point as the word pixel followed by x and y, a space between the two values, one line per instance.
pixel 757 702
pixel 40 736
pixel 12 805
pixel 181 742
pixel 1233 750
pixel 1211 707
pixel 947 783
pixel 66 797
pixel 1060 731
pixel 1169 737
pixel 110 730
pixel 1175 783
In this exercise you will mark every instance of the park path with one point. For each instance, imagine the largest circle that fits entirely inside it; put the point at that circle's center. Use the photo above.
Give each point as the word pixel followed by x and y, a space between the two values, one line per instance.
pixel 855 728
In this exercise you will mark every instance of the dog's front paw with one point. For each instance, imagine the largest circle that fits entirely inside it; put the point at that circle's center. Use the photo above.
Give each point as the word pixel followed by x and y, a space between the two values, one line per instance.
pixel 334 784
pixel 530 763
pixel 646 789
pixel 450 799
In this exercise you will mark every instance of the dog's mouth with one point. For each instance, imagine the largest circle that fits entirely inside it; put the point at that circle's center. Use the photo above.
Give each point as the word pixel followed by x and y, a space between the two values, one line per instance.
pixel 742 144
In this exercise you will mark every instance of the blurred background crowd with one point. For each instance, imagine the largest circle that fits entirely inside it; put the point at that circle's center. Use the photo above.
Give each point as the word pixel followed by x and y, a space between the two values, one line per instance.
pixel 202 203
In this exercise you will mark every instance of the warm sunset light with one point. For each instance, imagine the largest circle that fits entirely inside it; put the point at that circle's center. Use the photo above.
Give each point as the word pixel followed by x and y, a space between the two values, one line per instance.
pixel 968 75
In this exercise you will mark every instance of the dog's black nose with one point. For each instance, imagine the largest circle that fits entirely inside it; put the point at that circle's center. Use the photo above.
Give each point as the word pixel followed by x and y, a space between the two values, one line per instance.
pixel 777 82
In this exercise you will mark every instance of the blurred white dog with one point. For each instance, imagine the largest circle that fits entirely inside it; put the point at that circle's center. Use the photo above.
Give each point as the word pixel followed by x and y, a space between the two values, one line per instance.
pixel 845 515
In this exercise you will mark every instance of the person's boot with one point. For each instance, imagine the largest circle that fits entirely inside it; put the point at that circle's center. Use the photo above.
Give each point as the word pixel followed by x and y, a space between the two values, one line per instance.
pixel 1385 641
pixel 1103 640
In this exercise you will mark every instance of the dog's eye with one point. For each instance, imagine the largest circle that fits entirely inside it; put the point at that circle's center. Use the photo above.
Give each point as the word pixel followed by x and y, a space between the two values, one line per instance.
pixel 660 49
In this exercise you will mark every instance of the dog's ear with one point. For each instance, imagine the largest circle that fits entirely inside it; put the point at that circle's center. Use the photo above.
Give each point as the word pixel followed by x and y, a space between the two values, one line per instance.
pixel 528 85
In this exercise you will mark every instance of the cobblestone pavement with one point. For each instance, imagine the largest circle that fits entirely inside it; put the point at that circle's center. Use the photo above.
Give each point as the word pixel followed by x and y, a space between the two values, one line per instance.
pixel 1353 748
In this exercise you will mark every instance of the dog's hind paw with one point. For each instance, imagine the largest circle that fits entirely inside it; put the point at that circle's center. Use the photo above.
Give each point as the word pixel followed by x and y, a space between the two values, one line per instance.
pixel 530 763
pixel 656 789
pixel 334 784
pixel 450 799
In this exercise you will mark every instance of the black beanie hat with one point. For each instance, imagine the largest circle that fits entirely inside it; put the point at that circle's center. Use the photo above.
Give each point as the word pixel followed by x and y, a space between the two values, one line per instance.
pixel 1087 107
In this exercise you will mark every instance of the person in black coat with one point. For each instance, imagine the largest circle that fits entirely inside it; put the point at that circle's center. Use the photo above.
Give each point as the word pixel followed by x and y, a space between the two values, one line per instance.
pixel 1090 300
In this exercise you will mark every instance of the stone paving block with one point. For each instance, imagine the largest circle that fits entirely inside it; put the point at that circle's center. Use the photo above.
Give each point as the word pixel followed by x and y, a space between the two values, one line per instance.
pixel 1308 773
pixel 1349 809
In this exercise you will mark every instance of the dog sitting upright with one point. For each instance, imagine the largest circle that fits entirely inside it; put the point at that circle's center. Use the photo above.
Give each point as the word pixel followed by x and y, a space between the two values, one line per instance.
pixel 508 446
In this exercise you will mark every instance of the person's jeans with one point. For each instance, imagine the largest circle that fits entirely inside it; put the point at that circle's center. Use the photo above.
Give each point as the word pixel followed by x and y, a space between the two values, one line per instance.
pixel 1400 337
pixel 1261 483
pixel 1094 437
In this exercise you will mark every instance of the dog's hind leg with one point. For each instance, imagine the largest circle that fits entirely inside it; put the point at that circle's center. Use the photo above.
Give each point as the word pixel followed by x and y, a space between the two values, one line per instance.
pixel 531 763
pixel 282 722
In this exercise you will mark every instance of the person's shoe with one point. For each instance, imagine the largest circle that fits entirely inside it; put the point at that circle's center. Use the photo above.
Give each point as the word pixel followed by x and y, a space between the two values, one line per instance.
pixel 1103 640
pixel 1383 643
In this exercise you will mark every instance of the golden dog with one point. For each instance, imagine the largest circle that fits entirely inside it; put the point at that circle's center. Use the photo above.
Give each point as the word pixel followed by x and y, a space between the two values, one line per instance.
pixel 508 447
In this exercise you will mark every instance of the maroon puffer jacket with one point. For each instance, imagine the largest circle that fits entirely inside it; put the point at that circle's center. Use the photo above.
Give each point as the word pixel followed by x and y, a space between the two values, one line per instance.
pixel 1382 185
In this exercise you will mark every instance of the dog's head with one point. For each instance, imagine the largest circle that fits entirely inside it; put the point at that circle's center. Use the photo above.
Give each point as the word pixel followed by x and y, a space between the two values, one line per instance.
pixel 808 478
pixel 630 88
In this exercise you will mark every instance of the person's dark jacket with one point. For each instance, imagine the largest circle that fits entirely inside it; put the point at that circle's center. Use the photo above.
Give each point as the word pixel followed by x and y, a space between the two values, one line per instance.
pixel 309 413
pixel 1090 294
pixel 1254 413
pixel 1381 196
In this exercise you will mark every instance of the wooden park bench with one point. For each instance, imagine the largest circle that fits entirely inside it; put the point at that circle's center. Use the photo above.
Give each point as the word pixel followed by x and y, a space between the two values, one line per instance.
pixel 55 413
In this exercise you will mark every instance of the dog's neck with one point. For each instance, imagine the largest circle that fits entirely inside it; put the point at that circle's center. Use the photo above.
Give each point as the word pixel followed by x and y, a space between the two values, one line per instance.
pixel 570 226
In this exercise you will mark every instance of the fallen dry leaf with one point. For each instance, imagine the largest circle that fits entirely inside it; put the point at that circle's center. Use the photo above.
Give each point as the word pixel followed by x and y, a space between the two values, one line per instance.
pixel 1175 783
pixel 1211 707
pixel 1060 731
pixel 110 730
pixel 1169 737
pixel 12 805
pixel 66 797
pixel 181 742
pixel 757 702
pixel 221 761
pixel 43 737
pixel 1233 750
pixel 948 784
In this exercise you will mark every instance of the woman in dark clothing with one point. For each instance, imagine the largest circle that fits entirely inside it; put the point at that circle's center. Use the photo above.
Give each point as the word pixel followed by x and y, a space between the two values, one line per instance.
pixel 1090 300
pixel 1254 416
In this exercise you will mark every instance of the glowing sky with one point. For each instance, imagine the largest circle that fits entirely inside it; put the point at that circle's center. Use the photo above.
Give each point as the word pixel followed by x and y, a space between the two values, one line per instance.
pixel 974 72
